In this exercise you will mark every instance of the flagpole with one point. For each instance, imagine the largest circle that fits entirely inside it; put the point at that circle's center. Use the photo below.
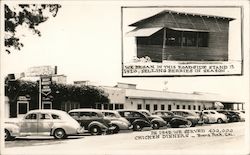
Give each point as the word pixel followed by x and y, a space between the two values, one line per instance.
pixel 40 95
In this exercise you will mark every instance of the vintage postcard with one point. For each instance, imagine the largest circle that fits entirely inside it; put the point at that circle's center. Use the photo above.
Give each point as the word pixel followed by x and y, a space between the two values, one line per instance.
pixel 124 77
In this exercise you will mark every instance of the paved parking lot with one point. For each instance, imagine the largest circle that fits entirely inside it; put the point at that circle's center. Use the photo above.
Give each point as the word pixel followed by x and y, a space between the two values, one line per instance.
pixel 228 138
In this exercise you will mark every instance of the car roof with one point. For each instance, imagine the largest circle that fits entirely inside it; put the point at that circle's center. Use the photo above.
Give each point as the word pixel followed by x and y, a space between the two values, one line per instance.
pixel 46 110
pixel 143 110
pixel 85 110
pixel 111 111
pixel 122 110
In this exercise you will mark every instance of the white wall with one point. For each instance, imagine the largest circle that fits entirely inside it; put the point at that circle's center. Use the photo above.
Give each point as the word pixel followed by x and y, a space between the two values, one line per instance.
pixel 132 104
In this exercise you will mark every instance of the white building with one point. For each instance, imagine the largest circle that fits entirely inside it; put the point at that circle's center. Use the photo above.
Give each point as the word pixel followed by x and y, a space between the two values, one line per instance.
pixel 126 96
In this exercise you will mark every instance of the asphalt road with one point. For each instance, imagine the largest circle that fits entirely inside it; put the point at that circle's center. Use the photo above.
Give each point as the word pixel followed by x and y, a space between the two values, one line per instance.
pixel 208 139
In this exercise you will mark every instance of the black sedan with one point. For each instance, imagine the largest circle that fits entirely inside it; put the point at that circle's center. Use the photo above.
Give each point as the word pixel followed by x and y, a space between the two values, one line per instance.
pixel 231 115
pixel 173 120
pixel 137 119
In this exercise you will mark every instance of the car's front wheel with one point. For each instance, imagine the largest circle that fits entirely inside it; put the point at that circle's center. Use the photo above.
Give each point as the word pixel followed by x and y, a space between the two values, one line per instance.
pixel 155 125
pixel 189 124
pixel 59 134
pixel 95 130
pixel 7 135
pixel 117 129
pixel 219 121
pixel 137 127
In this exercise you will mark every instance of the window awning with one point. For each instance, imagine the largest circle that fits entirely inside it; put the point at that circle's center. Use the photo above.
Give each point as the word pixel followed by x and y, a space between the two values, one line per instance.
pixel 143 32
pixel 184 29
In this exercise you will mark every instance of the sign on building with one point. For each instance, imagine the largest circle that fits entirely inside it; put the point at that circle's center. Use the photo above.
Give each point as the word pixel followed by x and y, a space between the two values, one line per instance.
pixel 46 92
pixel 40 71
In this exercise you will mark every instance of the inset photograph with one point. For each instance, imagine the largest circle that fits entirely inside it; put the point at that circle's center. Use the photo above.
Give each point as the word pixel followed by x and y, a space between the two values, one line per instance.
pixel 181 41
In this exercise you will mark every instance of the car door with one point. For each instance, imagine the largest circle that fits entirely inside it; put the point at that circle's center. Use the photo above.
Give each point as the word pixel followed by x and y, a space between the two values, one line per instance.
pixel 95 117
pixel 144 121
pixel 210 116
pixel 85 118
pixel 167 116
pixel 28 125
pixel 45 123
pixel 214 116
pixel 129 116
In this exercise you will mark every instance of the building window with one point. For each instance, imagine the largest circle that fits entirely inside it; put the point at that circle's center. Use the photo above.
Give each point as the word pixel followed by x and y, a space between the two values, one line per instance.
pixel 148 107
pixel 169 107
pixel 183 107
pixel 173 38
pixel 111 107
pixel 162 107
pixel 189 107
pixel 189 38
pixel 116 106
pixel 105 106
pixel 138 106
pixel 22 107
pixel 47 105
pixel 119 106
pixel 186 38
pixel 194 107
pixel 67 106
pixel 98 106
pixel 178 107
pixel 199 107
pixel 155 107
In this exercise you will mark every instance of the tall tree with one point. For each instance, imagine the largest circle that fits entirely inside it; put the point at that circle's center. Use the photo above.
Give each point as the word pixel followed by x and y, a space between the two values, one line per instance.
pixel 30 15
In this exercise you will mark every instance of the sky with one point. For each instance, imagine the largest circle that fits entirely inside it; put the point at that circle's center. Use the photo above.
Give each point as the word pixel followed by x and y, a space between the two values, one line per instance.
pixel 84 41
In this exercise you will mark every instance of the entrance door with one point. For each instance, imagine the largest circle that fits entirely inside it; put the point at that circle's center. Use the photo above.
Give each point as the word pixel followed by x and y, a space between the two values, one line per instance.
pixel 22 108
pixel 47 105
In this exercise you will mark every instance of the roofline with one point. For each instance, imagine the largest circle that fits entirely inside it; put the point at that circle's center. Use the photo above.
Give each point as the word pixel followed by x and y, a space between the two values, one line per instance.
pixel 182 13
pixel 179 99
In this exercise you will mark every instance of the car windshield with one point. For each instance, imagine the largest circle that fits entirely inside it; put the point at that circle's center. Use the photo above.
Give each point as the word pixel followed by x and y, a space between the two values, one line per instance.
pixel 145 113
pixel 167 114
pixel 112 114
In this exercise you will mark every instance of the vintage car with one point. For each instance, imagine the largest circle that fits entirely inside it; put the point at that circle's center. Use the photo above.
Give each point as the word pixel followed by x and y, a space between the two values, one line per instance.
pixel 214 116
pixel 136 118
pixel 42 122
pixel 231 116
pixel 119 122
pixel 189 115
pixel 92 120
pixel 155 120
pixel 203 119
pixel 173 120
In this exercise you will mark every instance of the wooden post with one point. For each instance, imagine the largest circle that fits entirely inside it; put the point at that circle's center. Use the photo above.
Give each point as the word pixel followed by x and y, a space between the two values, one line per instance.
pixel 164 55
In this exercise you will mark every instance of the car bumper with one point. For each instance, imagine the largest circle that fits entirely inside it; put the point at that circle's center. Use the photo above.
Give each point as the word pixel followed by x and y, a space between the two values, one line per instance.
pixel 123 126
pixel 81 130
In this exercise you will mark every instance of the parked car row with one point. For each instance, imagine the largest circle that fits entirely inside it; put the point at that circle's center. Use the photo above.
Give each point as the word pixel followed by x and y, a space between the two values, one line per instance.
pixel 77 121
